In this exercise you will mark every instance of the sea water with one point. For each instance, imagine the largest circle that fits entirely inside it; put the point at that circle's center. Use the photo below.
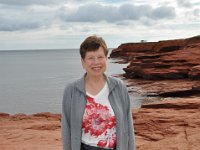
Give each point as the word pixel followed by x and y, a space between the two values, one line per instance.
pixel 33 81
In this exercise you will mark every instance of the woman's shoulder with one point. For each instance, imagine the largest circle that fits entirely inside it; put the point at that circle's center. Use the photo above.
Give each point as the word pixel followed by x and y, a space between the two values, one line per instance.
pixel 74 83
pixel 71 84
pixel 115 80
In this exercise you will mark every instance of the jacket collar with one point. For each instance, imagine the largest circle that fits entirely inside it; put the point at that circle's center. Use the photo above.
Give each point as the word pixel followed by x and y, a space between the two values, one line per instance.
pixel 80 84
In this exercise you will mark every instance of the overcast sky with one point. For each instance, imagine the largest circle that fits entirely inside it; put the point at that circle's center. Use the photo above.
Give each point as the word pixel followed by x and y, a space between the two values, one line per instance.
pixel 53 24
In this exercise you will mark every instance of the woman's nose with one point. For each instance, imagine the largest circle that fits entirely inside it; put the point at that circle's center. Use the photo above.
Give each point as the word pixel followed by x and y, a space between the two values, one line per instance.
pixel 96 60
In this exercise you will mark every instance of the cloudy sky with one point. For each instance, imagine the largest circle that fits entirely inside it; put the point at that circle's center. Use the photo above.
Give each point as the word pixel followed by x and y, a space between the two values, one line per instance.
pixel 53 24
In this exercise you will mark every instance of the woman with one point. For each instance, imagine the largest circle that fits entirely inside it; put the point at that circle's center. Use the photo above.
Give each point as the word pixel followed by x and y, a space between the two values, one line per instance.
pixel 96 108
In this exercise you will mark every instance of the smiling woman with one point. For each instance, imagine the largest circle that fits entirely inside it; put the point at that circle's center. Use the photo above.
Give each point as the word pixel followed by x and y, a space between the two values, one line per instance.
pixel 94 62
pixel 96 108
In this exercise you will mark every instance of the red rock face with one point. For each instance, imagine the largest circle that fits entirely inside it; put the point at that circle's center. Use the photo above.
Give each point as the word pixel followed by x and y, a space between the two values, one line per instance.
pixel 173 59
pixel 168 69
pixel 31 132
pixel 167 65
pixel 169 125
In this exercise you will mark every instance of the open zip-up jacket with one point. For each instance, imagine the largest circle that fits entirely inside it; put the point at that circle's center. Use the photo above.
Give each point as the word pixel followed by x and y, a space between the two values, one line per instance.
pixel 73 106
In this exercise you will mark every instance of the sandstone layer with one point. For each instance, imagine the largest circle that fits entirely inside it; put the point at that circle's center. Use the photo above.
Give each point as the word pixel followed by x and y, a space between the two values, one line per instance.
pixel 167 125
pixel 164 68
pixel 30 132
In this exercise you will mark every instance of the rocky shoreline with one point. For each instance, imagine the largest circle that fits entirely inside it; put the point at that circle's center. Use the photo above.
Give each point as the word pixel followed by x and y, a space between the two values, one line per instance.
pixel 168 74
pixel 167 125
pixel 168 69
pixel 164 68
pixel 30 132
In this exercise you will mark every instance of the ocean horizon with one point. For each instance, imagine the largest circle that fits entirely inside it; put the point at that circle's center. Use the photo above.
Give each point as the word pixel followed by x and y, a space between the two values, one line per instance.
pixel 33 81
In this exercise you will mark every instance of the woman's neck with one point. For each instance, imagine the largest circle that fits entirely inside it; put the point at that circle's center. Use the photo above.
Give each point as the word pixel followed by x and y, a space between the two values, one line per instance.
pixel 94 79
pixel 94 85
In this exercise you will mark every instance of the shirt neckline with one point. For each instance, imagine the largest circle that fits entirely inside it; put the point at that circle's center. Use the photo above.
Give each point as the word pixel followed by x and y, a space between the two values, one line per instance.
pixel 100 92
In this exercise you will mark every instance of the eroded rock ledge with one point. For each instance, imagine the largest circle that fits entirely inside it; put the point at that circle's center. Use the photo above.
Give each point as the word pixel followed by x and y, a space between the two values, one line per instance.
pixel 30 132
pixel 165 68
pixel 167 125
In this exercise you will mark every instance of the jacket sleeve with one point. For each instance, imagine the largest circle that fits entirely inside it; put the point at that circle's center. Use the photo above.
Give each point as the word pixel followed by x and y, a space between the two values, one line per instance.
pixel 131 139
pixel 65 124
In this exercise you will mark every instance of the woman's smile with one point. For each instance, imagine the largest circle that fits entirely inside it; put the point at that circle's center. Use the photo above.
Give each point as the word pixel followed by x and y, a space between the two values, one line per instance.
pixel 96 68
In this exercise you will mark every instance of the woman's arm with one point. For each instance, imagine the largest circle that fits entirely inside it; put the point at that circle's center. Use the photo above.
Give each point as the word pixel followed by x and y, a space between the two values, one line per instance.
pixel 131 139
pixel 131 142
pixel 65 125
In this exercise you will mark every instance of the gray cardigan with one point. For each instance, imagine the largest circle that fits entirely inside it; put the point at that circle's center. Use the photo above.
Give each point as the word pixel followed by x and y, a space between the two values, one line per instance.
pixel 74 101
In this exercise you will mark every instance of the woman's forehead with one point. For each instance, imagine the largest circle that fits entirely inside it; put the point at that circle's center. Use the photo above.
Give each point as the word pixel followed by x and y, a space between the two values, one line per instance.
pixel 99 51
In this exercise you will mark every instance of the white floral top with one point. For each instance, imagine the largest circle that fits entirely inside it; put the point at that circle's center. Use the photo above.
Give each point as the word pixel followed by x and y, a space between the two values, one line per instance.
pixel 99 125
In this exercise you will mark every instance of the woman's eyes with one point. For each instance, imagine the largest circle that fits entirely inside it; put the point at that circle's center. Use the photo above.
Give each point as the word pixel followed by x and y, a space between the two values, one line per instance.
pixel 93 58
pixel 90 58
pixel 100 57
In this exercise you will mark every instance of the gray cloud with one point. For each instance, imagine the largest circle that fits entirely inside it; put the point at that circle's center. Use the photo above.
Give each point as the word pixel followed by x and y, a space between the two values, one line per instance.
pixel 131 12
pixel 163 12
pixel 85 13
pixel 30 2
pixel 13 24
pixel 184 3
pixel 19 18
pixel 97 12
pixel 196 12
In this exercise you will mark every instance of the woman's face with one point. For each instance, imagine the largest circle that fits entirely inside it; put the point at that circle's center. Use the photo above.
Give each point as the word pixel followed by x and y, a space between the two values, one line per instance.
pixel 95 62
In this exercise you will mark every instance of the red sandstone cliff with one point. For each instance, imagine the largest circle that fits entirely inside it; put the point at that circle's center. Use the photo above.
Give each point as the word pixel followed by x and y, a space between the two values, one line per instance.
pixel 172 67
pixel 167 69
pixel 172 59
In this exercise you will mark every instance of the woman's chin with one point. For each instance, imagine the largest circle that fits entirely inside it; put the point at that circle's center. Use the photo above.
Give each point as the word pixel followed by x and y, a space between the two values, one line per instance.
pixel 96 73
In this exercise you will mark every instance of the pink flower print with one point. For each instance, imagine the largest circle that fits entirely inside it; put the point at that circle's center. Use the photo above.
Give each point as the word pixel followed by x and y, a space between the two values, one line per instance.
pixel 97 118
pixel 102 143
pixel 110 140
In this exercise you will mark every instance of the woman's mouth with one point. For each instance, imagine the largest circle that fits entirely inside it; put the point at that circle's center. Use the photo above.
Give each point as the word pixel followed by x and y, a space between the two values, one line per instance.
pixel 96 68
